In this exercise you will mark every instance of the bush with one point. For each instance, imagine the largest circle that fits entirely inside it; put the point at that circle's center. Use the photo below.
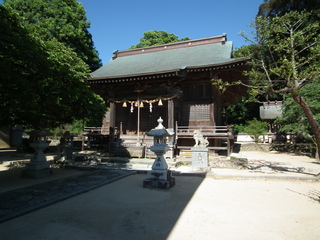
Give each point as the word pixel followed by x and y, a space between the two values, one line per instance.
pixel 255 128
pixel 238 128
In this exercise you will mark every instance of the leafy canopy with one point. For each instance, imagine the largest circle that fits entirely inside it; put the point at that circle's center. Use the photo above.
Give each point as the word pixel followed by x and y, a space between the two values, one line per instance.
pixel 42 82
pixel 284 60
pixel 152 38
pixel 293 119
pixel 272 8
pixel 268 10
pixel 284 53
pixel 64 20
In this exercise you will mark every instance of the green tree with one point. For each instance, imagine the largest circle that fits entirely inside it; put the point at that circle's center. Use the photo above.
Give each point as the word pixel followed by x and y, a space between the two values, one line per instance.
pixel 293 119
pixel 64 20
pixel 42 83
pixel 152 38
pixel 238 115
pixel 284 59
pixel 272 8
pixel 23 63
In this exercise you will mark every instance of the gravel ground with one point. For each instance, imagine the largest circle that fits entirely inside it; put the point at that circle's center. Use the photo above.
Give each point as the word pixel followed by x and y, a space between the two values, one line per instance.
pixel 196 208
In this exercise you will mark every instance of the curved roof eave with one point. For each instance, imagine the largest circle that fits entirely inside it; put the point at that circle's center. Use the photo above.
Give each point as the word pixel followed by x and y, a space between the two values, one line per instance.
pixel 174 71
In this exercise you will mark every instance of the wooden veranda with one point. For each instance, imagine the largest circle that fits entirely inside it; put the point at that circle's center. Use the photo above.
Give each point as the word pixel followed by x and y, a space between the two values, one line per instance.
pixel 220 139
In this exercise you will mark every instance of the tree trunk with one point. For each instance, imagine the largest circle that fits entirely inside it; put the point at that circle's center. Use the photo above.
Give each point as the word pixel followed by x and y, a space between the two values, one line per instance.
pixel 311 119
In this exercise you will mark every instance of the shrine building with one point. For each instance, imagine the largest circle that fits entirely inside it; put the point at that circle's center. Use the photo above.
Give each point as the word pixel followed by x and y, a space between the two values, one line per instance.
pixel 172 81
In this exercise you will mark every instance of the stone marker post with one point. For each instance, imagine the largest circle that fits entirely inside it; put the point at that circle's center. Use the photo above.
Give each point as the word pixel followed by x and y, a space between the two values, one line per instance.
pixel 159 176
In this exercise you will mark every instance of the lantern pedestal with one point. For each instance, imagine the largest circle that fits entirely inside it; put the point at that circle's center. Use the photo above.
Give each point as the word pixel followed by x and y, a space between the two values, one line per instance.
pixel 159 176
pixel 159 179
pixel 38 167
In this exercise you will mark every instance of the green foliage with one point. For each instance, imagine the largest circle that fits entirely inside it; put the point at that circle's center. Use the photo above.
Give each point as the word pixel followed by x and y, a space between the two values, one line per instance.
pixel 285 59
pixel 238 128
pixel 78 125
pixel 75 128
pixel 272 8
pixel 152 38
pixel 64 20
pixel 293 119
pixel 23 64
pixel 58 132
pixel 242 112
pixel 255 128
pixel 284 53
pixel 43 82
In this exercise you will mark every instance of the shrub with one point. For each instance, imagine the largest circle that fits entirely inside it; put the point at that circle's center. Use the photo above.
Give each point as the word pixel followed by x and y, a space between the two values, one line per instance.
pixel 255 128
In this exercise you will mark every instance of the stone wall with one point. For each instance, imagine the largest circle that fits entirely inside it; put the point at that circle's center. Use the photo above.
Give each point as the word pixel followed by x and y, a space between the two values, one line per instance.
pixel 253 147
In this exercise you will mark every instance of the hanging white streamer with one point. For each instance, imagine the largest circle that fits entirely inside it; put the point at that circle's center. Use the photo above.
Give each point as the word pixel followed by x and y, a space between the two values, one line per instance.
pixel 131 109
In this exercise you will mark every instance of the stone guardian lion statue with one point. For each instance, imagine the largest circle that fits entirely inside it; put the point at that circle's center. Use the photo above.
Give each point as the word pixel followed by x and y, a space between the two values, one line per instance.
pixel 201 142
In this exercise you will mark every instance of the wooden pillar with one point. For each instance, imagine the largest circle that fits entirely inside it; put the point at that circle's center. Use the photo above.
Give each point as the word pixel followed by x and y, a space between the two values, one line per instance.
pixel 212 115
pixel 112 115
pixel 170 114
pixel 112 125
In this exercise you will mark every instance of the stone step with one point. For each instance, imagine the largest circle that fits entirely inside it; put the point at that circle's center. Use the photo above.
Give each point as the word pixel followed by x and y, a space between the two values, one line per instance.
pixel 130 164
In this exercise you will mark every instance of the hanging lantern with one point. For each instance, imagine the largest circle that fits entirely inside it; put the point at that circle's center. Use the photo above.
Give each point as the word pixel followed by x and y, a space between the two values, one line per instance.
pixel 141 105
pixel 160 103
pixel 124 104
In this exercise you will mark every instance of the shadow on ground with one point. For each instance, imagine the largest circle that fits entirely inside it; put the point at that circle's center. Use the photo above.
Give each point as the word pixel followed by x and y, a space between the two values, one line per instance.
pixel 121 210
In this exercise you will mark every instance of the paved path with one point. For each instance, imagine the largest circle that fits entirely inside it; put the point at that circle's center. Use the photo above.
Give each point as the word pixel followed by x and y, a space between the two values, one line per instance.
pixel 27 199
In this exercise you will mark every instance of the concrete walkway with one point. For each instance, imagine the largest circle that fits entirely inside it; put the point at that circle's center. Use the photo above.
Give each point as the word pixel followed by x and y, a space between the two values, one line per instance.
pixel 200 206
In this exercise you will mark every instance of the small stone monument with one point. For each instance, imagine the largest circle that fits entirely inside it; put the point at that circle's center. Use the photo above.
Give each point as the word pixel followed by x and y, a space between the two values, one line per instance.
pixel 159 176
pixel 38 166
pixel 200 152
pixel 65 148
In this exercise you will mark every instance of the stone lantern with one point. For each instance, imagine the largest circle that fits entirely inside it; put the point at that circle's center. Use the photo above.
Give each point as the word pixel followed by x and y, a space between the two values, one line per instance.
pixel 159 176
pixel 38 166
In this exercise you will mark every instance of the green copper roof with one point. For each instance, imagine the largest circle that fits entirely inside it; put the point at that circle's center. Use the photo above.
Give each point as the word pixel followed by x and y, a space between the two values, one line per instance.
pixel 166 61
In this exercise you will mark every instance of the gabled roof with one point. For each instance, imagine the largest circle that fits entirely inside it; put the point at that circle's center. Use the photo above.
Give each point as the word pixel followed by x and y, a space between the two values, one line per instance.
pixel 167 58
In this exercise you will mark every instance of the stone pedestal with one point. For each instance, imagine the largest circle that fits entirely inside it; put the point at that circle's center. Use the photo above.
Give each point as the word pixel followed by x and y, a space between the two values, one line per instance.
pixel 159 179
pixel 38 167
pixel 159 176
pixel 200 160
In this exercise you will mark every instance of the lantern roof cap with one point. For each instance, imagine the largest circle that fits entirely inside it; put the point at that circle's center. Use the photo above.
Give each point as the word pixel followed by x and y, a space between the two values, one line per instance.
pixel 160 130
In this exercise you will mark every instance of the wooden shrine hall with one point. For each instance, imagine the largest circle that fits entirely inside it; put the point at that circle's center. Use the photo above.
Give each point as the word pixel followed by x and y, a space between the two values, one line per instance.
pixel 172 81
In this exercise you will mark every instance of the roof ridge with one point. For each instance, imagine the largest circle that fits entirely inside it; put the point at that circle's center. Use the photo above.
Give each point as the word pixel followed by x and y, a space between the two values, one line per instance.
pixel 169 46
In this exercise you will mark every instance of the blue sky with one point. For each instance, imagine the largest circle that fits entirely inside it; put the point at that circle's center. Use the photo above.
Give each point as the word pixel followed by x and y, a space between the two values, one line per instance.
pixel 118 24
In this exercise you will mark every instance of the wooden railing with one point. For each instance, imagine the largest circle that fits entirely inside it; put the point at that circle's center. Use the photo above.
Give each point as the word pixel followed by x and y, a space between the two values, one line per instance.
pixel 210 132
pixel 222 134
pixel 206 131
pixel 98 130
